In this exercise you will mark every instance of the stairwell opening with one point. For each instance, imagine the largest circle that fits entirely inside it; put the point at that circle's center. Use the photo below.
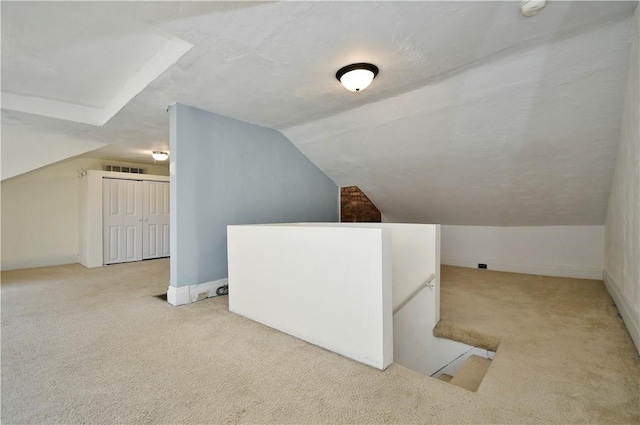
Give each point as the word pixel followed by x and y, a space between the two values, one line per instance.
pixel 468 370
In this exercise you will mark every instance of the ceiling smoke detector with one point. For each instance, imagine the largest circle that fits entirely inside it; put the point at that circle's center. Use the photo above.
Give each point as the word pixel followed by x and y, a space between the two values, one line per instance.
pixel 357 76
pixel 532 7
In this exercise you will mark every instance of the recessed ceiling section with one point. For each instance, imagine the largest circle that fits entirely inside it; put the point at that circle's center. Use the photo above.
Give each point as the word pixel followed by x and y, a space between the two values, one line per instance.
pixel 83 68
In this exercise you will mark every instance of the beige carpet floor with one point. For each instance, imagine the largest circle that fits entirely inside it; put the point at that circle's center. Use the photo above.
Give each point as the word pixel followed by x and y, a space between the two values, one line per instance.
pixel 95 346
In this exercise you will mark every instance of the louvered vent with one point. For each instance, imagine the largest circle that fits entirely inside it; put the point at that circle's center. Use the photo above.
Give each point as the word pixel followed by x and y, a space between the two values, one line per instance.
pixel 121 169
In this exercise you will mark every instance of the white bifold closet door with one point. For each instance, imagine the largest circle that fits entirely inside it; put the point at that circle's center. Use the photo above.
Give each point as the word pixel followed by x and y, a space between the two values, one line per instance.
pixel 135 220
pixel 122 220
pixel 155 229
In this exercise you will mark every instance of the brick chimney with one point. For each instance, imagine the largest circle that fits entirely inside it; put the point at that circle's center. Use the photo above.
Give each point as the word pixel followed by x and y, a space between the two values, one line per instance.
pixel 356 207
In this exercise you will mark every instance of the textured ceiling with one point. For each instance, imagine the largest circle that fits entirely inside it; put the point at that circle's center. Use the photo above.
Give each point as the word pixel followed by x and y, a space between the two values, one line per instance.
pixel 478 115
pixel 82 67
pixel 527 139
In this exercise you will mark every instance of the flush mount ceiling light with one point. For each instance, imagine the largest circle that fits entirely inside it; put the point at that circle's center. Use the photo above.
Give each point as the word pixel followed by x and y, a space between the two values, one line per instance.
pixel 532 7
pixel 159 155
pixel 357 76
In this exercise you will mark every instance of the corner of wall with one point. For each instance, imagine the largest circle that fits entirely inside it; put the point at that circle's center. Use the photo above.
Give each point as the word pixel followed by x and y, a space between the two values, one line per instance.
pixel 631 321
pixel 622 224
pixel 181 295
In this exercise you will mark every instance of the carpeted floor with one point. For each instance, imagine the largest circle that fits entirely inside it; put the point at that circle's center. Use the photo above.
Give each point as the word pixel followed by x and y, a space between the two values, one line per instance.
pixel 96 346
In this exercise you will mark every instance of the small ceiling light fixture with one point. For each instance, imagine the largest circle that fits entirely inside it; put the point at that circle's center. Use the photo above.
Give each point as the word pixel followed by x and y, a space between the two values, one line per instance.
pixel 532 7
pixel 357 76
pixel 159 155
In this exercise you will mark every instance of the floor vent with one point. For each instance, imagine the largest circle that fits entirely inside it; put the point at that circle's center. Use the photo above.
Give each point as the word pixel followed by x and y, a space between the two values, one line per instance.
pixel 121 169
pixel 161 296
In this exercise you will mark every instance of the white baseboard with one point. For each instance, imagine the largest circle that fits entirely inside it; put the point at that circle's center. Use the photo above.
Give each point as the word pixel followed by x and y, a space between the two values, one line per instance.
pixel 88 263
pixel 629 317
pixel 39 262
pixel 538 269
pixel 189 294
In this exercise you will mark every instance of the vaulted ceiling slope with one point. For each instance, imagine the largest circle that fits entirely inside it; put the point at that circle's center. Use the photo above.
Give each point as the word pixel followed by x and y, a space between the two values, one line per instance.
pixel 478 116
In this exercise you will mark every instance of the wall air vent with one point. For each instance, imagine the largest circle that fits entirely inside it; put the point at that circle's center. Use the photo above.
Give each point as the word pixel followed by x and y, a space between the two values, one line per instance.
pixel 122 169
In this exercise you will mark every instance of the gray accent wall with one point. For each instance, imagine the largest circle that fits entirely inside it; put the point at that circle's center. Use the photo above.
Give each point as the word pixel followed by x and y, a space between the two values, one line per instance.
pixel 225 171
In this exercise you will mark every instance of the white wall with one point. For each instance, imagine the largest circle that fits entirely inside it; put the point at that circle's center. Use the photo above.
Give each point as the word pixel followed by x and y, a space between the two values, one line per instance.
pixel 568 251
pixel 41 213
pixel 40 218
pixel 622 226
pixel 330 286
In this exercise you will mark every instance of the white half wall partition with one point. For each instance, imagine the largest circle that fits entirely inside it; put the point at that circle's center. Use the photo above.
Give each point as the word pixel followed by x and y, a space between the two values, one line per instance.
pixel 336 284
pixel 330 286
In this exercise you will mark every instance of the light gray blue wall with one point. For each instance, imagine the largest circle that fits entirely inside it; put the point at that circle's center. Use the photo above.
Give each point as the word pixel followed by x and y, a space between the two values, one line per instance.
pixel 226 171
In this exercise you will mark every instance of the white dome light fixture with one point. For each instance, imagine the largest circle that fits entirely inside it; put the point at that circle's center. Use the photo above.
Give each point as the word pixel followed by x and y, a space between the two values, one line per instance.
pixel 159 155
pixel 357 76
pixel 532 7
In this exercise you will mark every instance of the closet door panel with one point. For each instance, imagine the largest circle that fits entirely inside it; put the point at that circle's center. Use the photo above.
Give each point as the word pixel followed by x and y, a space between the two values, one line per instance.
pixel 122 220
pixel 156 219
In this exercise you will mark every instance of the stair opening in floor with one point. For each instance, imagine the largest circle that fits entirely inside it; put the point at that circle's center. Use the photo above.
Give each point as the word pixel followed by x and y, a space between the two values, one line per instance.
pixel 468 370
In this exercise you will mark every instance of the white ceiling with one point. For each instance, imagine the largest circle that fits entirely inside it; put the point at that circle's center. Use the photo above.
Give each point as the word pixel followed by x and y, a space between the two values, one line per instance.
pixel 478 115
pixel 81 67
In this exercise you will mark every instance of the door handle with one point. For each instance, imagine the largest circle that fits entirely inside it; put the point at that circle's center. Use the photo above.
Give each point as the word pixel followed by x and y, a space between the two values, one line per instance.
pixel 139 220
pixel 146 219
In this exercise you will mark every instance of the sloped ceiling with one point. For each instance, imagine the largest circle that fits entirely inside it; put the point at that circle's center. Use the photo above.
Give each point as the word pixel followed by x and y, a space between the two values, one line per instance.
pixel 478 115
